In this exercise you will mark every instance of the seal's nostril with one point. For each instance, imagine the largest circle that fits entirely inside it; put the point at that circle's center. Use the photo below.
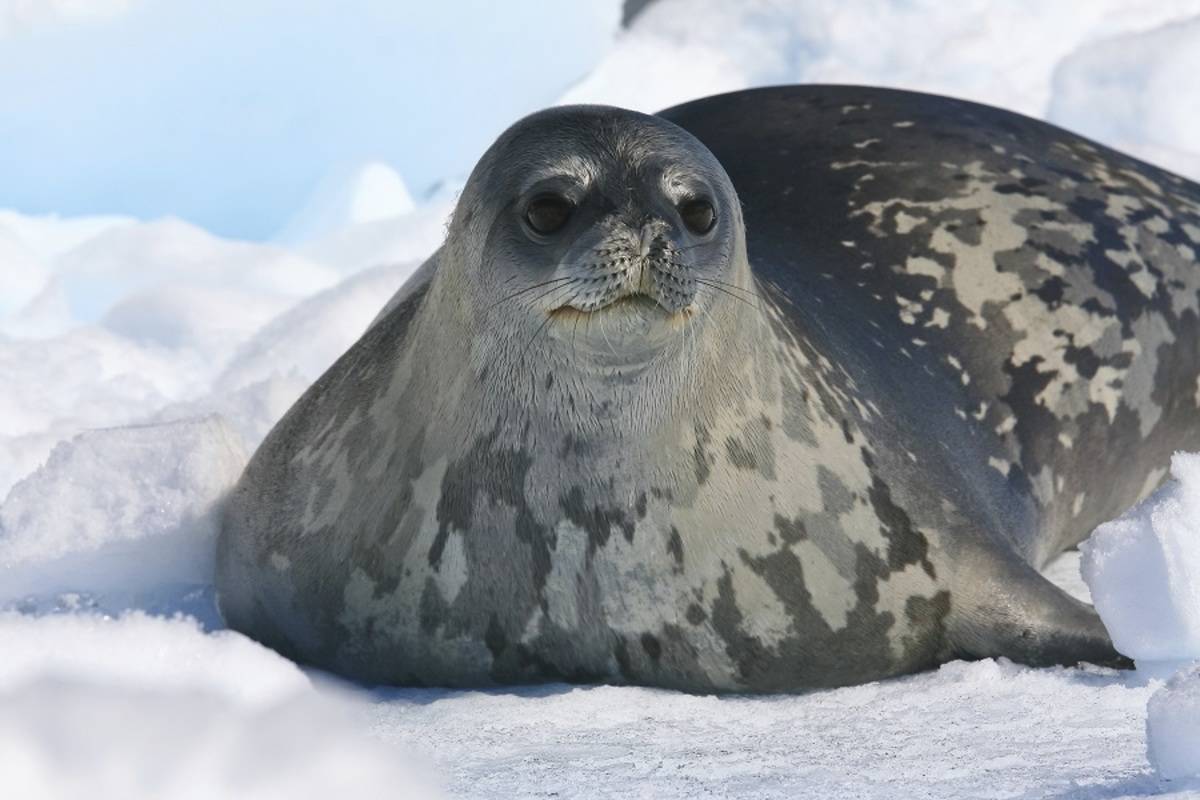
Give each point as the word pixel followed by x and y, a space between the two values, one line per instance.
pixel 649 235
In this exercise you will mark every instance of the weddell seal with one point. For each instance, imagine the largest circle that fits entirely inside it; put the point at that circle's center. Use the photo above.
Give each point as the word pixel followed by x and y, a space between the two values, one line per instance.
pixel 787 388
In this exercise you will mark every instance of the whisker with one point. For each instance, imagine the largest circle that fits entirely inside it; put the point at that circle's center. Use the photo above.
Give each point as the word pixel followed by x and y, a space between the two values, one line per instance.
pixel 529 289
pixel 722 289
pixel 552 290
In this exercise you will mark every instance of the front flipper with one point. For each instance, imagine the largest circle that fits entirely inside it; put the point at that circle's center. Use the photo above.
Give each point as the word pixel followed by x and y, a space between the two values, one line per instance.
pixel 1004 607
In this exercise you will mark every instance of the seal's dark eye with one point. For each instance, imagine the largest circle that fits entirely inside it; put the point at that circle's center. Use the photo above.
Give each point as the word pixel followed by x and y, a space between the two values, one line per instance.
pixel 547 213
pixel 698 215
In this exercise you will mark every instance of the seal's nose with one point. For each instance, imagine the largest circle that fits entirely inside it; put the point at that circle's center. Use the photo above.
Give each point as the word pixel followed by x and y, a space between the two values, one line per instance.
pixel 653 233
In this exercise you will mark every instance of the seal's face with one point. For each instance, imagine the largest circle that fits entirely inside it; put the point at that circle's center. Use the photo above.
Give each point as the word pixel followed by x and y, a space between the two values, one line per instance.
pixel 616 230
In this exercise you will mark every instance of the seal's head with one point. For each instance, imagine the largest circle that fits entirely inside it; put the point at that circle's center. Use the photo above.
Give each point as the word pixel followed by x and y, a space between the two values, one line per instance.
pixel 602 230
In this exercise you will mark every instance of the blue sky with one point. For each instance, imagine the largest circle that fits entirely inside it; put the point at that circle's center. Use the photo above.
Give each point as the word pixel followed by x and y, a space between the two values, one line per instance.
pixel 227 114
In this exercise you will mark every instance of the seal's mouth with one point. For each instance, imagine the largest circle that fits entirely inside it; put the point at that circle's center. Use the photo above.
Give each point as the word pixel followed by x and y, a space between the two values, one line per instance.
pixel 640 303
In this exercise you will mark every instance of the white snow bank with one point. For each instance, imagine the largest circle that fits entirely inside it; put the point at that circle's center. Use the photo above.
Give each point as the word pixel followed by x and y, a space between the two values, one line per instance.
pixel 146 707
pixel 212 321
pixel 1136 92
pixel 74 739
pixel 1143 569
pixel 126 259
pixel 1173 727
pixel 49 235
pixel 1001 53
pixel 124 517
pixel 22 275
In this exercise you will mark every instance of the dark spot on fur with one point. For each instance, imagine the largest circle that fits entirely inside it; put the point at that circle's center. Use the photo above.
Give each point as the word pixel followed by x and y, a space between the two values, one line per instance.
pixel 675 546
pixel 597 521
pixel 651 645
pixel 791 530
pixel 739 455
pixel 700 456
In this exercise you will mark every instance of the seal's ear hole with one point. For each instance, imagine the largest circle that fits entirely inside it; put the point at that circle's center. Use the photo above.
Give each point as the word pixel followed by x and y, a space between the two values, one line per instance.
pixel 698 215
pixel 548 213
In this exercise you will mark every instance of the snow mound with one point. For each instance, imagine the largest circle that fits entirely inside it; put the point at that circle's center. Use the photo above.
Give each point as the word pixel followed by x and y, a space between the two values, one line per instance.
pixel 22 275
pixel 308 338
pixel 75 739
pixel 85 379
pixel 140 651
pixel 48 236
pixel 146 707
pixel 251 410
pixel 1173 727
pixel 411 237
pixel 1131 92
pixel 1143 569
pixel 127 259
pixel 120 516
pixel 210 320
pixel 367 193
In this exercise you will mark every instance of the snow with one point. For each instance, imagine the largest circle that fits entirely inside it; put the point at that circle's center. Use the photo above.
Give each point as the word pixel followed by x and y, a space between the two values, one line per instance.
pixel 1143 569
pixel 144 353
pixel 147 707
pixel 1143 75
pixel 987 729
pixel 1173 727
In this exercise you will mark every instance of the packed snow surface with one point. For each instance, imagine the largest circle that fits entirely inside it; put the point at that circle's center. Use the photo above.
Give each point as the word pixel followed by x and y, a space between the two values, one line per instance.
pixel 143 356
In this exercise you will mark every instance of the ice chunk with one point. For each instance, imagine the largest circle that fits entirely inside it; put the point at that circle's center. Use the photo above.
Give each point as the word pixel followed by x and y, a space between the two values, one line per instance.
pixel 1173 726
pixel 367 193
pixel 1143 570
pixel 125 513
